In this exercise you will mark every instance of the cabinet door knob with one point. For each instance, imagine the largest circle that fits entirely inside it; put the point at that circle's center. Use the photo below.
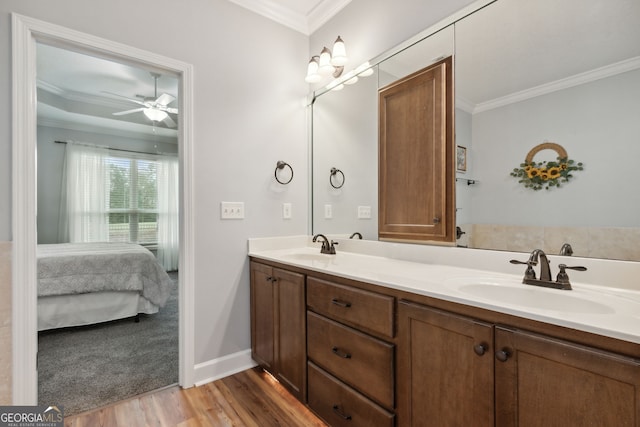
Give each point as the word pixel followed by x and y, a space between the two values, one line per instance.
pixel 480 349
pixel 436 220
pixel 340 353
pixel 503 355
pixel 339 303
pixel 342 415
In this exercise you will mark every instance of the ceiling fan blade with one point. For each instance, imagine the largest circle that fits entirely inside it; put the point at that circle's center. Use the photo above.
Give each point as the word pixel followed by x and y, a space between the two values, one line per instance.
pixel 127 98
pixel 171 110
pixel 165 99
pixel 122 113
pixel 169 122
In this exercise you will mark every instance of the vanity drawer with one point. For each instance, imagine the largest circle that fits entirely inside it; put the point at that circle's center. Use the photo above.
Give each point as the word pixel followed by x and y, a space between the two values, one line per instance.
pixel 363 362
pixel 340 405
pixel 363 309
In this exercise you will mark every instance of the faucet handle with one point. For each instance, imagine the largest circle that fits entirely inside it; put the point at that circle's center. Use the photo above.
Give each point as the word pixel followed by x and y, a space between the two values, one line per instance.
pixel 563 277
pixel 529 273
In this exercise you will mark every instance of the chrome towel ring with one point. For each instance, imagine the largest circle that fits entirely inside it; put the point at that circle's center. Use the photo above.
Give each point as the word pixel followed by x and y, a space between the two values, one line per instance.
pixel 279 166
pixel 334 172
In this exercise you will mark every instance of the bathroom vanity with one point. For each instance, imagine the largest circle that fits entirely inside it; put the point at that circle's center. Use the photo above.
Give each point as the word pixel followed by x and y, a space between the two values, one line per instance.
pixel 393 342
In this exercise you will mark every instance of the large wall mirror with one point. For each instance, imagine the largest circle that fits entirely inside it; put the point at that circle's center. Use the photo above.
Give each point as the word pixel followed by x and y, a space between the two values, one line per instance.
pixel 526 73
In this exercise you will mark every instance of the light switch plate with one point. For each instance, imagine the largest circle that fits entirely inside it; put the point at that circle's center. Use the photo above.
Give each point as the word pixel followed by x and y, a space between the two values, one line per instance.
pixel 286 211
pixel 364 212
pixel 232 210
pixel 328 212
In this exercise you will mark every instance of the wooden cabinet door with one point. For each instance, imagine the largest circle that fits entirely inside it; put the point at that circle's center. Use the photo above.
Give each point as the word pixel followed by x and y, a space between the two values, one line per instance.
pixel 445 369
pixel 290 336
pixel 416 171
pixel 262 315
pixel 548 382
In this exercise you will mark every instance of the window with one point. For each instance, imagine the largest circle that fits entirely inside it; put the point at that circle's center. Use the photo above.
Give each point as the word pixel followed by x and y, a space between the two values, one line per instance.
pixel 132 203
pixel 116 197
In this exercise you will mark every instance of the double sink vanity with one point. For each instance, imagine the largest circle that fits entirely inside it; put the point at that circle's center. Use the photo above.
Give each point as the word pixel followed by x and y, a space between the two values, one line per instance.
pixel 382 334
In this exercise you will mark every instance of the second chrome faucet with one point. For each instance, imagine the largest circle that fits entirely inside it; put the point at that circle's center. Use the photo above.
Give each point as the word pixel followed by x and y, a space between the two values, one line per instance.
pixel 327 247
pixel 538 256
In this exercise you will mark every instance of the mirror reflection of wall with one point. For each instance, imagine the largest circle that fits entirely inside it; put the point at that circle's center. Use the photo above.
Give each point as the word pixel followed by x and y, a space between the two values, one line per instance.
pixel 525 76
pixel 345 136
pixel 530 72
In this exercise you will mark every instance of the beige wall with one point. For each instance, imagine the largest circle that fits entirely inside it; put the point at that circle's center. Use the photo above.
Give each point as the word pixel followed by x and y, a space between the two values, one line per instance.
pixel 5 323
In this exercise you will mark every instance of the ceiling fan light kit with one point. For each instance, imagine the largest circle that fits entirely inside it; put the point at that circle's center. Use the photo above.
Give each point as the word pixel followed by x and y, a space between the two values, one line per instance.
pixel 154 108
pixel 154 114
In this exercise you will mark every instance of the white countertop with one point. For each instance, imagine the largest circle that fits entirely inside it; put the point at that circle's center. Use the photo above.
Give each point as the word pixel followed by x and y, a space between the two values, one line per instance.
pixel 604 310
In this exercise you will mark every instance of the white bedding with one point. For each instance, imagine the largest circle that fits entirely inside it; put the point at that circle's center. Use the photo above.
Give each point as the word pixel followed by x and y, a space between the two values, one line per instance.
pixel 84 283
pixel 62 311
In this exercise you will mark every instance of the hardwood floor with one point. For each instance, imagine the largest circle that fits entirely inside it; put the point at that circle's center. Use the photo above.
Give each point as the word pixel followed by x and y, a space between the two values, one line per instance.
pixel 250 398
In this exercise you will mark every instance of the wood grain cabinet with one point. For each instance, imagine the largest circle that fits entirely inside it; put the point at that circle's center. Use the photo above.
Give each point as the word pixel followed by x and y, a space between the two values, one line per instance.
pixel 542 381
pixel 278 327
pixel 445 369
pixel 455 371
pixel 351 365
pixel 416 162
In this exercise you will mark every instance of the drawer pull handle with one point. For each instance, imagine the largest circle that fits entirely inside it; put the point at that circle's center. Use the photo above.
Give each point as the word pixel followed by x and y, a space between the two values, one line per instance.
pixel 337 410
pixel 340 353
pixel 339 303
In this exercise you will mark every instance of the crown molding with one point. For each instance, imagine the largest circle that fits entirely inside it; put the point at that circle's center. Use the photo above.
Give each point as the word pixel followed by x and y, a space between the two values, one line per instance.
pixel 576 80
pixel 305 24
pixel 323 12
pixel 105 130
pixel 277 13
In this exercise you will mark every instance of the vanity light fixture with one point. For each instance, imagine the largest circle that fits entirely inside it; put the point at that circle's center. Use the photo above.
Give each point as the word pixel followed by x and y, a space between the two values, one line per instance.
pixel 327 63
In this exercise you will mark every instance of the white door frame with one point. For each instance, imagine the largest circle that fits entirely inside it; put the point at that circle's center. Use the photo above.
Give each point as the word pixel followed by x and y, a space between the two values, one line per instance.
pixel 25 32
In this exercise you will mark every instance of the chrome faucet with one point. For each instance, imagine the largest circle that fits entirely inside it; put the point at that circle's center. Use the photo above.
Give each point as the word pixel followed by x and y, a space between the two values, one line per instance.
pixel 327 248
pixel 538 255
pixel 356 234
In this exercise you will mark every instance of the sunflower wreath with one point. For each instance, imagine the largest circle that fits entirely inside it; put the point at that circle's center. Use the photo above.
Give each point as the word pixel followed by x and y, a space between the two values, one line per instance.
pixel 546 174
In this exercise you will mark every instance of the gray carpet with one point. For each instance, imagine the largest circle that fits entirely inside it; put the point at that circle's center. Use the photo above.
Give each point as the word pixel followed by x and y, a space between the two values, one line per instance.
pixel 91 366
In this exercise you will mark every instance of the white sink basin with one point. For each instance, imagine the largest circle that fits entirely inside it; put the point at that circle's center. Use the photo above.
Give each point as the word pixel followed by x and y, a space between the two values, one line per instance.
pixel 529 296
pixel 309 257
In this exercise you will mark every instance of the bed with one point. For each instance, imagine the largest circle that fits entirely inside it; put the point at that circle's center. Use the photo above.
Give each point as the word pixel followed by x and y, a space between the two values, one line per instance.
pixel 86 283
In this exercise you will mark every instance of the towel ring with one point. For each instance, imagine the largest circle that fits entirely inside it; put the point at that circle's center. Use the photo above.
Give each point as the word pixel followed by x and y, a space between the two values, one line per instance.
pixel 282 165
pixel 334 172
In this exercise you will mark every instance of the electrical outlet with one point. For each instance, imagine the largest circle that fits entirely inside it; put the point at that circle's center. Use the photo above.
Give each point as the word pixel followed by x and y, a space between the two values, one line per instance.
pixel 364 212
pixel 232 210
pixel 286 211
pixel 328 212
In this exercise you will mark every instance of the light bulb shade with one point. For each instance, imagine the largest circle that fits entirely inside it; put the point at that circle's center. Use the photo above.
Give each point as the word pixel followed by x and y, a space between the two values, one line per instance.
pixel 312 71
pixel 325 68
pixel 339 58
pixel 154 114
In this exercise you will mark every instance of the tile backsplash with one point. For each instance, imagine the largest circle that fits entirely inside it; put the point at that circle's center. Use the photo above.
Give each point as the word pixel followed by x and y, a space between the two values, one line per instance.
pixel 621 243
pixel 5 324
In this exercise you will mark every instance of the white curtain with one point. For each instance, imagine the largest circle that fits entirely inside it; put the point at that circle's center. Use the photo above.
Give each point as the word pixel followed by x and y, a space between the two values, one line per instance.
pixel 85 195
pixel 168 202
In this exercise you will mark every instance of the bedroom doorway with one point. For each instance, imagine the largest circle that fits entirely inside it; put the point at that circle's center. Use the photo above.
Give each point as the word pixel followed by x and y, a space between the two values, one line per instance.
pixel 108 190
pixel 134 158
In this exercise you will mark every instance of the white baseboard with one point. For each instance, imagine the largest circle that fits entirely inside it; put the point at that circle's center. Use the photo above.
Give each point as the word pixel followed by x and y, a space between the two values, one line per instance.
pixel 222 367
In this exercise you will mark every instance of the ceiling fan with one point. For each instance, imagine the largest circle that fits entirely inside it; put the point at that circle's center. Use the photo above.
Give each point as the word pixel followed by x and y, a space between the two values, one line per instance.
pixel 155 108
